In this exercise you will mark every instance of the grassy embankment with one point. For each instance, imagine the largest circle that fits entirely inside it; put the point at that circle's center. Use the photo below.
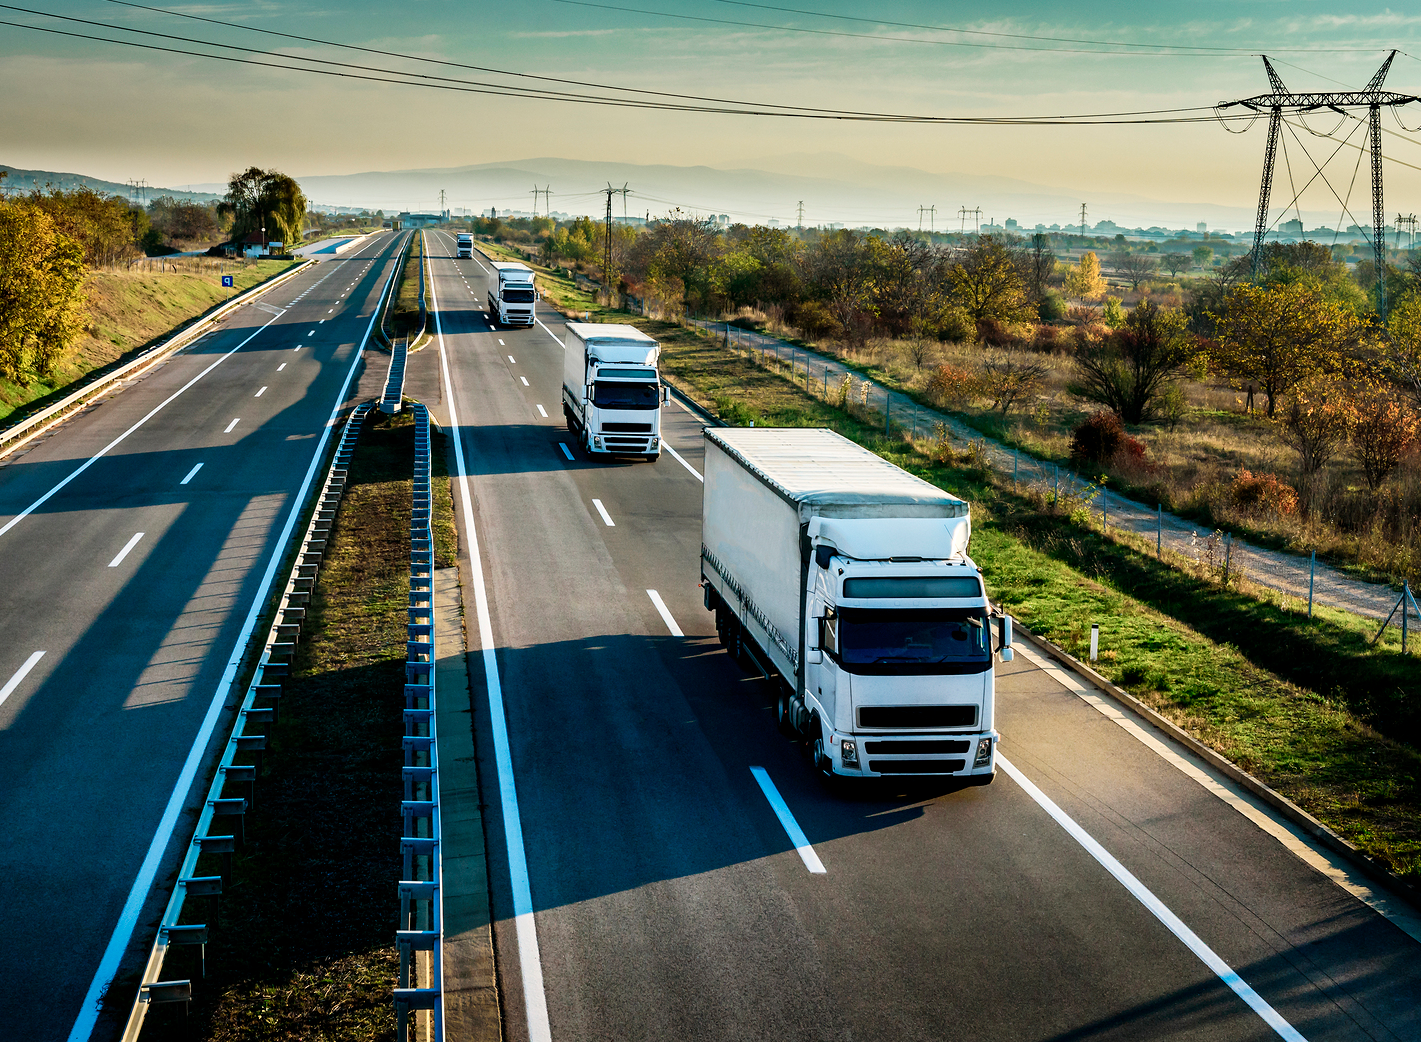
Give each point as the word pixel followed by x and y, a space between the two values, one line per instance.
pixel 128 311
pixel 305 945
pixel 1297 703
pixel 402 318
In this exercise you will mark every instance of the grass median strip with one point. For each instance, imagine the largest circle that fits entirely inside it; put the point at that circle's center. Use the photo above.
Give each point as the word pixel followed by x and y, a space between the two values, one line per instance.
pixel 305 946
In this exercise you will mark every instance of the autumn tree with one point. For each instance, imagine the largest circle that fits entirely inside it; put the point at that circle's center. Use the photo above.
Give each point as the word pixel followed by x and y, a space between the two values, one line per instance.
pixel 106 227
pixel 1280 336
pixel 1203 255
pixel 1041 264
pixel 1382 432
pixel 1315 424
pixel 264 199
pixel 840 266
pixel 1400 358
pixel 1174 263
pixel 1134 268
pixel 41 291
pixel 986 284
pixel 1009 379
pixel 1083 281
pixel 1130 370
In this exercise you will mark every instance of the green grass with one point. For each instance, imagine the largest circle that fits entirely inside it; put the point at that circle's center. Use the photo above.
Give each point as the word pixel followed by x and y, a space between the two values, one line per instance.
pixel 305 946
pixel 403 318
pixel 1296 703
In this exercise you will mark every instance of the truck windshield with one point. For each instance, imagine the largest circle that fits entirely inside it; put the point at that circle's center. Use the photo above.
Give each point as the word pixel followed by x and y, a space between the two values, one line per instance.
pixel 517 296
pixel 607 394
pixel 916 641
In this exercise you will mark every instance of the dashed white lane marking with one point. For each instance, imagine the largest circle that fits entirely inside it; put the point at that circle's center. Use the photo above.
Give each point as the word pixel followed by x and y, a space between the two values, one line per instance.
pixel 296 348
pixel 502 344
pixel 232 424
pixel 603 511
pixel 20 674
pixel 281 367
pixel 1295 842
pixel 677 457
pixel 525 380
pixel 542 412
pixel 126 548
pixel 1156 907
pixel 311 333
pixel 566 451
pixel 665 613
pixel 191 474
pixel 791 827
pixel 260 393
pixel 332 311
pixel 512 360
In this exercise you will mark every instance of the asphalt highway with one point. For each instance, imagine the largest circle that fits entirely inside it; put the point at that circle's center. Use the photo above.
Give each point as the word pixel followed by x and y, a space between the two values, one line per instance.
pixel 134 544
pixel 1105 887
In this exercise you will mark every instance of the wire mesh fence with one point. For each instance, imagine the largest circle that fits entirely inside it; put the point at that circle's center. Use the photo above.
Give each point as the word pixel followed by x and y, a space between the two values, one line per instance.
pixel 1302 580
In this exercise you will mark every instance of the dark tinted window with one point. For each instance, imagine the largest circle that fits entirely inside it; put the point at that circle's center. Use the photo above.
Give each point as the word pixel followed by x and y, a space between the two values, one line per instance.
pixel 518 296
pixel 607 394
pixel 914 586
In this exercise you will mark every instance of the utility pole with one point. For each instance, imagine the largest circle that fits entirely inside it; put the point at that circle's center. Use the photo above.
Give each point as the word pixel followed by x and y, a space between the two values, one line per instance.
pixel 607 251
pixel 1082 220
pixel 441 202
pixel 932 219
pixel 800 224
pixel 536 192
pixel 921 210
pixel 1280 101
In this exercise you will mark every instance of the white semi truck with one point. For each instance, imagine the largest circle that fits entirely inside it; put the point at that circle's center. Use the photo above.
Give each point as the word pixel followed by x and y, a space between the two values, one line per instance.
pixel 465 245
pixel 847 581
pixel 611 389
pixel 511 294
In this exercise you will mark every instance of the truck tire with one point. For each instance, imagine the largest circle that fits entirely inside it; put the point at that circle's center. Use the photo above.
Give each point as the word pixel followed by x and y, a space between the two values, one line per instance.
pixel 784 720
pixel 823 762
pixel 567 416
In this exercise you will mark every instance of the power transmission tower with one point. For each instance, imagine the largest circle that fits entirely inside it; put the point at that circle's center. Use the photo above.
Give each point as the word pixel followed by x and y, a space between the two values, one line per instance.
pixel 1280 101
pixel 548 201
pixel 536 192
pixel 800 224
pixel 607 254
pixel 441 202
pixel 1410 222
pixel 1082 219
pixel 921 210
pixel 932 219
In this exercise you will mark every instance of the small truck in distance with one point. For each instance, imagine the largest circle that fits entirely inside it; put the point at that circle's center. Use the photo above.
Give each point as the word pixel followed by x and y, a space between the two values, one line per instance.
pixel 511 294
pixel 846 581
pixel 611 389
pixel 465 245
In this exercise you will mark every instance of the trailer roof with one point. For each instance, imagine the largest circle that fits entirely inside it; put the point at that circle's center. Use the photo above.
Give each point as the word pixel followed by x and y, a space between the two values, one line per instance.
pixel 609 331
pixel 816 467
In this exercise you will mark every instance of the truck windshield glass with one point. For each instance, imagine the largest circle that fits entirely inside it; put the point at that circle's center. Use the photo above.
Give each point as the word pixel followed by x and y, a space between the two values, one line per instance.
pixel 607 394
pixel 517 296
pixel 912 641
pixel 913 586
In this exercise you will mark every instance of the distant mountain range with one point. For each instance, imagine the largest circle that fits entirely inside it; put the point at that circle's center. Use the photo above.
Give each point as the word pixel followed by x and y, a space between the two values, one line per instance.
pixel 27 180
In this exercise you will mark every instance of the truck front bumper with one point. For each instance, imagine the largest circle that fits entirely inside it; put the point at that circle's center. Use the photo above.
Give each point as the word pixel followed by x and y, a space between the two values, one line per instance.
pixel 921 755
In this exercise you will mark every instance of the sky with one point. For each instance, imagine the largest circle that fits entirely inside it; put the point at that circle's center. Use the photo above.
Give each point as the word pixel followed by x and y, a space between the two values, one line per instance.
pixel 121 112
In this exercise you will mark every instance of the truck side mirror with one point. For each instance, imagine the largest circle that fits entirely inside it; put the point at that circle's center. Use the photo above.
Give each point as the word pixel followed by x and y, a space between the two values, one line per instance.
pixel 813 656
pixel 665 394
pixel 1005 640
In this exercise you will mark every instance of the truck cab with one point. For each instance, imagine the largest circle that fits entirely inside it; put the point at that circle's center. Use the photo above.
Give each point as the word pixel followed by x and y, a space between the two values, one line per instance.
pixel 465 245
pixel 612 390
pixel 511 294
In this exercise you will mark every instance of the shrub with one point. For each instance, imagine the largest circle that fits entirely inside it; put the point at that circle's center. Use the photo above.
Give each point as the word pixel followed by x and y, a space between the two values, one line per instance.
pixel 1263 493
pixel 995 333
pixel 1052 308
pixel 815 321
pixel 951 386
pixel 1101 438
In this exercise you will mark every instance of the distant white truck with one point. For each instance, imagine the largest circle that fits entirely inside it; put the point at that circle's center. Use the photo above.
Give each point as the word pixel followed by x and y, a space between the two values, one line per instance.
pixel 611 389
pixel 847 580
pixel 511 294
pixel 465 245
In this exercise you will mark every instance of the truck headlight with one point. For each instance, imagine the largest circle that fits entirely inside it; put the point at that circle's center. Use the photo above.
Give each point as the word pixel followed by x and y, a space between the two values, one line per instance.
pixel 984 753
pixel 596 441
pixel 849 752
pixel 654 442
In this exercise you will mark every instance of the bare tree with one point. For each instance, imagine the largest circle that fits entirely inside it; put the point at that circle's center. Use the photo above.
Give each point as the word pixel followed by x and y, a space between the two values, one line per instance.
pixel 1008 379
pixel 1134 268
pixel 1174 263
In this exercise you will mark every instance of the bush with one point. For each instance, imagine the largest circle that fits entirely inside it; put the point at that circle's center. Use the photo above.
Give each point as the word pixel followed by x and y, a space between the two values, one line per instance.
pixel 1263 493
pixel 1052 308
pixel 995 333
pixel 815 321
pixel 1101 439
pixel 951 386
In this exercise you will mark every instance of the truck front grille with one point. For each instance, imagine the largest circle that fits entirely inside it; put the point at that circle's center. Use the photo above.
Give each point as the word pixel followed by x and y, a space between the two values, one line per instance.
pixel 904 748
pixel 916 766
pixel 627 428
pixel 921 717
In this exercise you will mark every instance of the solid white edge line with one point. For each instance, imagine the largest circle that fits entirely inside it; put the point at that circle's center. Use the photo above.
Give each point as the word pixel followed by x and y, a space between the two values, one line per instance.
pixel 20 674
pixel 138 894
pixel 155 410
pixel 542 412
pixel 191 474
pixel 530 960
pixel 665 613
pixel 566 451
pixel 681 460
pixel 1402 916
pixel 124 552
pixel 603 511
pixel 796 834
pixel 551 333
pixel 1156 907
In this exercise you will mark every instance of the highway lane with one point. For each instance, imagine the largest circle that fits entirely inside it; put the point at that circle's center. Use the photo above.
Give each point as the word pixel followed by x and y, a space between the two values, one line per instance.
pixel 668 900
pixel 135 577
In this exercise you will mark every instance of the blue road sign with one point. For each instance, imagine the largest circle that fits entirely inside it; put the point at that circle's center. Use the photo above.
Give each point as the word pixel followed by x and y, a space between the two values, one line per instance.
pixel 227 282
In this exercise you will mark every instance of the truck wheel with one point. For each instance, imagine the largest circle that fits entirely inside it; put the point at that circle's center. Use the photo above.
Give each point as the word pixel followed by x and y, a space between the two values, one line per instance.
pixel 783 720
pixel 567 416
pixel 824 763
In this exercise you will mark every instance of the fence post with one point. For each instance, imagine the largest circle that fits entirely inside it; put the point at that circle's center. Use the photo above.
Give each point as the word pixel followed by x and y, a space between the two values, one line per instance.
pixel 1405 611
pixel 1094 640
pixel 1159 530
pixel 826 381
pixel 1312 572
pixel 1015 461
pixel 1228 554
pixel 887 404
pixel 1104 521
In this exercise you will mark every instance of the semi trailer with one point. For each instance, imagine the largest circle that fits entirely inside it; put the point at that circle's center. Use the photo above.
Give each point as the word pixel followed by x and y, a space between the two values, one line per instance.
pixel 611 389
pixel 846 581
pixel 511 294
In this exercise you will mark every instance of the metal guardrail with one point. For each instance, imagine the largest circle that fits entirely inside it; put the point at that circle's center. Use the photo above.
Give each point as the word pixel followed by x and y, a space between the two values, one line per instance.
pixel 32 426
pixel 219 829
pixel 420 935
pixel 393 398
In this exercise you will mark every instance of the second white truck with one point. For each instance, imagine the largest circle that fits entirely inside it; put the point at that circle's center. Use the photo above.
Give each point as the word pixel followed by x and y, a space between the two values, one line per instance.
pixel 846 580
pixel 464 245
pixel 611 389
pixel 511 294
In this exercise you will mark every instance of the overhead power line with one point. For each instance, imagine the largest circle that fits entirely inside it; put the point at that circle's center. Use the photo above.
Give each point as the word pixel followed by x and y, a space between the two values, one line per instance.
pixel 676 103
